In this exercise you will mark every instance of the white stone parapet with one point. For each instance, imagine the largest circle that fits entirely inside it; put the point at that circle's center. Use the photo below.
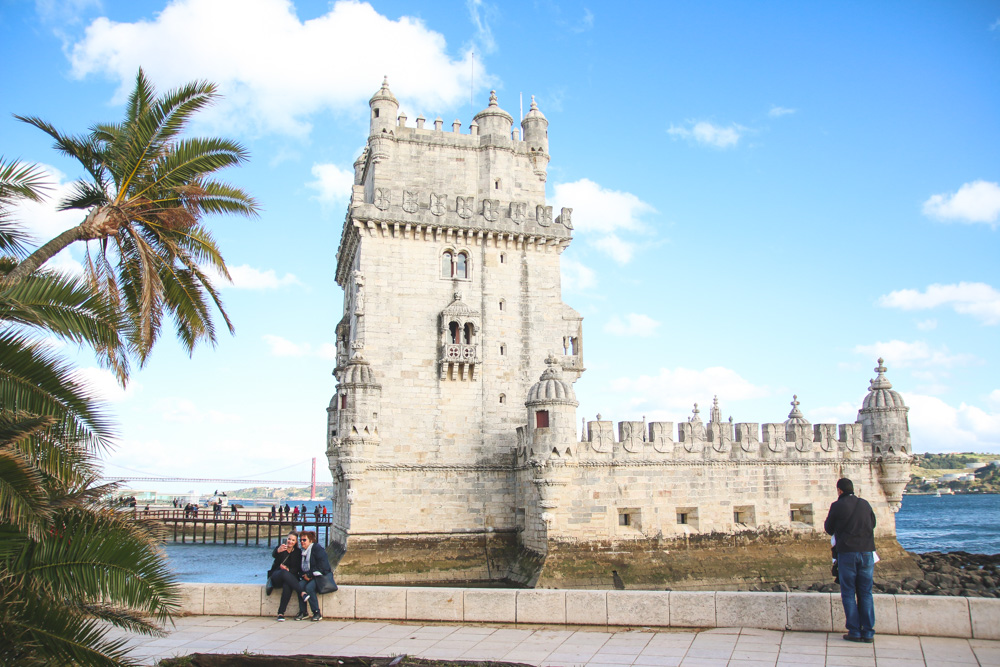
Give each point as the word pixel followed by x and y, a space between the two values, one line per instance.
pixel 920 615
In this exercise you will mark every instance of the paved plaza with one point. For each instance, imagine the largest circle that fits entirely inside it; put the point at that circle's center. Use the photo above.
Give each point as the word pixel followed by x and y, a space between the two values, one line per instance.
pixel 735 647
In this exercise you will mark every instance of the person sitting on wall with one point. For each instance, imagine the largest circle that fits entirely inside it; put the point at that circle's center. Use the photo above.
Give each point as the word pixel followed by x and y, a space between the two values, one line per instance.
pixel 852 523
pixel 317 575
pixel 285 571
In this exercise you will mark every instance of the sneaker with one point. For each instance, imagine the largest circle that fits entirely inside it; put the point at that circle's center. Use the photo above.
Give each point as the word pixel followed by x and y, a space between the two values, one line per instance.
pixel 317 616
pixel 281 618
pixel 852 638
pixel 301 616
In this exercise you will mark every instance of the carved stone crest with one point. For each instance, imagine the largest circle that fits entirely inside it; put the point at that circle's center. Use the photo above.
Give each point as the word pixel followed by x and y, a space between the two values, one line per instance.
pixel 543 215
pixel 662 436
pixel 464 206
pixel 631 436
pixel 491 209
pixel 566 218
pixel 410 201
pixel 382 198
pixel 518 212
pixel 439 204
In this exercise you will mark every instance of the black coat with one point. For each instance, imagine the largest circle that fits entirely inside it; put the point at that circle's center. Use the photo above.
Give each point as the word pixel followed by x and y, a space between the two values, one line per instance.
pixel 319 569
pixel 852 521
pixel 290 559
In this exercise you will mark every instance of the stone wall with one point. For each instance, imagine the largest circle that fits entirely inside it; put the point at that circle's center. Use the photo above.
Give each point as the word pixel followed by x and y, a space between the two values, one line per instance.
pixel 976 618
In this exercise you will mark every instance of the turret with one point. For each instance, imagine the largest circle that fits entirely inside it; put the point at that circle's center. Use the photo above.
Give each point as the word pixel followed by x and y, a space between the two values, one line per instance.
pixel 536 135
pixel 493 121
pixel 354 409
pixel 885 425
pixel 384 108
pixel 551 408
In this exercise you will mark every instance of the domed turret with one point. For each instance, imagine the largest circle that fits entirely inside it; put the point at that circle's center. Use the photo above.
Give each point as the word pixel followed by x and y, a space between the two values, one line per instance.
pixel 883 417
pixel 536 135
pixel 384 106
pixel 551 405
pixel 493 120
pixel 795 417
pixel 885 425
pixel 551 388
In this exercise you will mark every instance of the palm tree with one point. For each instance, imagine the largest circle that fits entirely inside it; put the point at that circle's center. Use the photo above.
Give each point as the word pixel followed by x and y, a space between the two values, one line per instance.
pixel 70 566
pixel 146 192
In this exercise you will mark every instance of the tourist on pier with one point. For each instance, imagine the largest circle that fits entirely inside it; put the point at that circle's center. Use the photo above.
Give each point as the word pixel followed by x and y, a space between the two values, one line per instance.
pixel 303 510
pixel 234 510
pixel 316 512
pixel 851 521
pixel 317 575
pixel 324 512
pixel 285 571
pixel 295 513
pixel 287 510
pixel 273 512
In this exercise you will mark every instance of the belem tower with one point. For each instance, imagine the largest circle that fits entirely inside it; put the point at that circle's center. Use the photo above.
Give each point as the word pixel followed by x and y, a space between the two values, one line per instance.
pixel 453 436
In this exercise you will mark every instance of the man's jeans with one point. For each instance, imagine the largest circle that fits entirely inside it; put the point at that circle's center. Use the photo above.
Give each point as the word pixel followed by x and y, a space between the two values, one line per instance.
pixel 857 569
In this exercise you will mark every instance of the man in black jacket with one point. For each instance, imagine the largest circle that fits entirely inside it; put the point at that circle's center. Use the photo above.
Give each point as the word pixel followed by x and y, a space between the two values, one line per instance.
pixel 852 523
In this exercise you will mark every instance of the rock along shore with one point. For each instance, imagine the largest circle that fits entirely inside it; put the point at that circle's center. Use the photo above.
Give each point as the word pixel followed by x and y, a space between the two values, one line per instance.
pixel 951 573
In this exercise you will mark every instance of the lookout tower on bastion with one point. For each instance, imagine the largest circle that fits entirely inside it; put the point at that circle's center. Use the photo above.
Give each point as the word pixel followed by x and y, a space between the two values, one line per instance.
pixel 452 436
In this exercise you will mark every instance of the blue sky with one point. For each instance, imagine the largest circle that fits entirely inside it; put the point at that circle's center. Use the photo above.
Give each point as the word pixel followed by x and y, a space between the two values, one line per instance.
pixel 767 197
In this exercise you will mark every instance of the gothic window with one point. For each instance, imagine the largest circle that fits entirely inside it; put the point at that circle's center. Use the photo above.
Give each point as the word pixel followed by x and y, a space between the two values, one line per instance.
pixel 503 304
pixel 469 331
pixel 496 184
pixel 456 332
pixel 503 258
pixel 503 350
pixel 455 265
pixel 542 419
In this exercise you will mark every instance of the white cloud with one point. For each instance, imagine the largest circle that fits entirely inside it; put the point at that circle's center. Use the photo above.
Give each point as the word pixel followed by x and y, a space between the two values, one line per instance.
pixel 602 212
pixel 104 385
pixel 44 222
pixel 273 68
pixel 916 354
pixel 661 396
pixel 978 201
pixel 635 324
pixel 332 183
pixel 184 411
pixel 936 426
pixel 247 277
pixel 480 14
pixel 575 275
pixel 585 23
pixel 979 300
pixel 927 325
pixel 281 347
pixel 994 399
pixel 619 250
pixel 777 112
pixel 844 413
pixel 704 132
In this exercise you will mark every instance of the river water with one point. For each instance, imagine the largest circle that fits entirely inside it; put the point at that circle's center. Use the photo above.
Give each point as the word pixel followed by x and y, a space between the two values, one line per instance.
pixel 925 523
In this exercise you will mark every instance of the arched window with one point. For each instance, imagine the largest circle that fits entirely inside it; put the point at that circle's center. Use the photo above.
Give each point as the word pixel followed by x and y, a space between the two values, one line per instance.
pixel 503 304
pixel 469 330
pixel 503 399
pixel 456 332
pixel 454 265
pixel 446 264
pixel 461 265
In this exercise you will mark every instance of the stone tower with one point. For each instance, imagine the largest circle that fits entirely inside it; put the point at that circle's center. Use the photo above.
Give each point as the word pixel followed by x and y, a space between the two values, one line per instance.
pixel 449 261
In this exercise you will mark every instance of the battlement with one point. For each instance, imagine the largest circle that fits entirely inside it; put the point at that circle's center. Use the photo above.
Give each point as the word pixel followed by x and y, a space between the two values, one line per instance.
pixel 694 440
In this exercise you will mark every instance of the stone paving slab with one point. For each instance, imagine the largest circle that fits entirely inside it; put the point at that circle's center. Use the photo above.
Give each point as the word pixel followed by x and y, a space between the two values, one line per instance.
pixel 559 646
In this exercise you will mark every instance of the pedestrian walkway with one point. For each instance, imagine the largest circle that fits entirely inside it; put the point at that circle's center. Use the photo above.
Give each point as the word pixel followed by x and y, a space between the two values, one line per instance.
pixel 558 646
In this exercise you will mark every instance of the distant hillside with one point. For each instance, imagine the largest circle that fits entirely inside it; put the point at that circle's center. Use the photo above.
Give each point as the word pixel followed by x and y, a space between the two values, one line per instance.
pixel 286 493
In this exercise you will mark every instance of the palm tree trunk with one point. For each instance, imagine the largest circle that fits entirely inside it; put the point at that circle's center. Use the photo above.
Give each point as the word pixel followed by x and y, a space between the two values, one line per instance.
pixel 44 254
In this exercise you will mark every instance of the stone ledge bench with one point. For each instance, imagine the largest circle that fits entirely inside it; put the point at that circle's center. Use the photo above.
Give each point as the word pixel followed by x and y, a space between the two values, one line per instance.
pixel 921 615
